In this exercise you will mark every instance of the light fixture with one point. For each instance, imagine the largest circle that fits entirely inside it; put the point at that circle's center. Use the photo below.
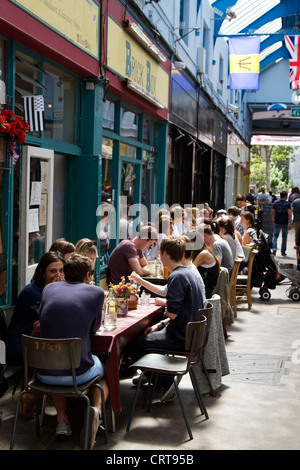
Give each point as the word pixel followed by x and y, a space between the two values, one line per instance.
pixel 230 14
pixel 190 30
pixel 150 1
pixel 192 141
pixel 136 31
pixel 140 91
pixel 179 136
pixel 179 65
pixel 232 108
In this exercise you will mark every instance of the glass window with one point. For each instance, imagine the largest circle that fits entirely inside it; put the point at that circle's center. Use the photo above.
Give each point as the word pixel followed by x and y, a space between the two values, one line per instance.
pixel 109 115
pixel 149 179
pixel 127 151
pixel 148 132
pixel 128 182
pixel 107 152
pixel 60 105
pixel 129 124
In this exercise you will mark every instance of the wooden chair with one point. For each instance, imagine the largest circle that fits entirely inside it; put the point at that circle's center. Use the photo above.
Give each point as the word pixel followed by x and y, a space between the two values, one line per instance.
pixel 232 284
pixel 55 354
pixel 243 282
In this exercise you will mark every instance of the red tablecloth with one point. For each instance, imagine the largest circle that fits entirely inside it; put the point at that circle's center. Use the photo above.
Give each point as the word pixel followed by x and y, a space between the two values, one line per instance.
pixel 113 343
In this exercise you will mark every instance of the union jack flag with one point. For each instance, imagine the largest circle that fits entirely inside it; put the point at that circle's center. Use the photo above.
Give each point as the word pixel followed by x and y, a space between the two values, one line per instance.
pixel 293 46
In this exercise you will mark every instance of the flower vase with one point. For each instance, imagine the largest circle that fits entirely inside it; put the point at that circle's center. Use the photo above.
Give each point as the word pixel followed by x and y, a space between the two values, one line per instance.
pixel 122 307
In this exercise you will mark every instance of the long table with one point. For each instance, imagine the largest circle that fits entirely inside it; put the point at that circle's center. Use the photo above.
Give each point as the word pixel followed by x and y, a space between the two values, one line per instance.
pixel 113 343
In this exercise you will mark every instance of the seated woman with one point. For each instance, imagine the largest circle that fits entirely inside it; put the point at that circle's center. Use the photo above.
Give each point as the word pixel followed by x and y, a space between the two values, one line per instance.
pixel 247 221
pixel 207 264
pixel 65 247
pixel 87 247
pixel 227 231
pixel 26 317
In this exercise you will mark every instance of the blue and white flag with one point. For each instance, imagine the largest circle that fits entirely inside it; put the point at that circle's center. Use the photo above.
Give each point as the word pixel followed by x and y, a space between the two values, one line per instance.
pixel 244 62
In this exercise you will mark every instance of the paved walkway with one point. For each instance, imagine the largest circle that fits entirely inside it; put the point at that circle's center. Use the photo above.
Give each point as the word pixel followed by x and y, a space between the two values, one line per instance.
pixel 257 406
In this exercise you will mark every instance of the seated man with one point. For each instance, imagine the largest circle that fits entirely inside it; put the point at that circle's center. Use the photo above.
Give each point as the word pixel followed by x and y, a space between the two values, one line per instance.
pixel 183 298
pixel 69 309
pixel 128 256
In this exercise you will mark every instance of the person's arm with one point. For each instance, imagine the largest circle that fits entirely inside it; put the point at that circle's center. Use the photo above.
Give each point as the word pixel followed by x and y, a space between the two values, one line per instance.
pixel 156 289
pixel 290 215
pixel 273 215
pixel 204 257
pixel 136 266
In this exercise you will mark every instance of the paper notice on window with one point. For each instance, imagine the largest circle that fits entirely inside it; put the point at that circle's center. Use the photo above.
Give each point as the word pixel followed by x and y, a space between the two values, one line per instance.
pixel 36 191
pixel 44 176
pixel 33 220
pixel 43 210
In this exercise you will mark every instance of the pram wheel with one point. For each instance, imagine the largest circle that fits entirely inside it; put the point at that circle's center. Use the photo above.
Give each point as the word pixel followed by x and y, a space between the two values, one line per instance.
pixel 264 293
pixel 294 294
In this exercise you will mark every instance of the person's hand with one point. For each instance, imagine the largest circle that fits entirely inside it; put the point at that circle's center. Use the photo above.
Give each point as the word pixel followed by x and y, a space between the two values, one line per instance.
pixel 159 301
pixel 152 328
pixel 135 277
pixel 36 325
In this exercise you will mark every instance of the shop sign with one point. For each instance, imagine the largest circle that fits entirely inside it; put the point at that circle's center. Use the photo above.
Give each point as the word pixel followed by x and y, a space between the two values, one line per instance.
pixel 76 20
pixel 127 58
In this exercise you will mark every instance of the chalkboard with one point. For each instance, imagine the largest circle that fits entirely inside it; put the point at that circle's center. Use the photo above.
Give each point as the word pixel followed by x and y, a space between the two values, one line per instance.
pixel 267 223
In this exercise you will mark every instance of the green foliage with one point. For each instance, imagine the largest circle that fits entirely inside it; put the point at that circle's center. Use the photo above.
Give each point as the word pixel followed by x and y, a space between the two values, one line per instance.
pixel 279 167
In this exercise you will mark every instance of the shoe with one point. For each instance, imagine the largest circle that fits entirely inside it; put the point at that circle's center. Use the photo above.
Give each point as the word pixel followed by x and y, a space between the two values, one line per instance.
pixel 169 390
pixel 95 422
pixel 283 254
pixel 145 380
pixel 274 252
pixel 63 430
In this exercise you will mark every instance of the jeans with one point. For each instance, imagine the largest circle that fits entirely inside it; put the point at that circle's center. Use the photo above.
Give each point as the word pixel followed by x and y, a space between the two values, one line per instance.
pixel 276 231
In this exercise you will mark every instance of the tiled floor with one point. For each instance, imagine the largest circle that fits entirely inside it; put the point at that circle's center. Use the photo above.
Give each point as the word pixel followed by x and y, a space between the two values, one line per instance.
pixel 257 406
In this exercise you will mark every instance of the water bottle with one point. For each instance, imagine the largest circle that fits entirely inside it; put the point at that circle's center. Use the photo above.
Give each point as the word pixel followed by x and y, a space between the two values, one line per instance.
pixel 110 321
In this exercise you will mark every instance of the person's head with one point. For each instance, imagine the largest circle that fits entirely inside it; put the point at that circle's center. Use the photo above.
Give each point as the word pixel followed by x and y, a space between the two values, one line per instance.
pixel 233 211
pixel 188 252
pixel 78 268
pixel 87 247
pixel 283 194
pixel 240 200
pixel 65 247
pixel 146 237
pixel 226 225
pixel 165 225
pixel 263 189
pixel 172 248
pixel 49 269
pixel 178 214
pixel 247 219
pixel 208 232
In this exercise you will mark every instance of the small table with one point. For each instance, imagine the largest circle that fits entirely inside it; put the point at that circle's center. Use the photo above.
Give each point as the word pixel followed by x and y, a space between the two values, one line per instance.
pixel 113 343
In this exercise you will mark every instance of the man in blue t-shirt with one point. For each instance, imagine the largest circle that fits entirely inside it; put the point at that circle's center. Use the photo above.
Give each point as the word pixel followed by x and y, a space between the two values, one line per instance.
pixel 184 299
pixel 282 219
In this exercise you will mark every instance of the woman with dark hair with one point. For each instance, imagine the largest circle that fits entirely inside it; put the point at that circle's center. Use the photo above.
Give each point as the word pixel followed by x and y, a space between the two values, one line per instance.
pixel 206 262
pixel 65 247
pixel 26 312
pixel 25 317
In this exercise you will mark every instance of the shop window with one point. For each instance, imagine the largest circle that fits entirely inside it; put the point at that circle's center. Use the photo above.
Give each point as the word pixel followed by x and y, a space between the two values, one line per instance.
pixel 149 179
pixel 60 105
pixel 127 151
pixel 108 115
pixel 107 152
pixel 148 132
pixel 129 124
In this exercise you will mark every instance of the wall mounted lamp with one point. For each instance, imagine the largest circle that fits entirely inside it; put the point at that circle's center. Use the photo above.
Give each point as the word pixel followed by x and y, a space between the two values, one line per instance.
pixel 179 136
pixel 232 108
pixel 140 91
pixel 137 33
pixel 192 141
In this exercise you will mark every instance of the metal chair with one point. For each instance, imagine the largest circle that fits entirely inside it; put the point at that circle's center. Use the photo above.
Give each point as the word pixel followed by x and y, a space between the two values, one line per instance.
pixel 243 281
pixel 173 364
pixel 55 354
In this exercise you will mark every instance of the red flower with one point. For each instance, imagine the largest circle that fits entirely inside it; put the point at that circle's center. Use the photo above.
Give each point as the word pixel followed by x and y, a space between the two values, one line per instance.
pixel 13 127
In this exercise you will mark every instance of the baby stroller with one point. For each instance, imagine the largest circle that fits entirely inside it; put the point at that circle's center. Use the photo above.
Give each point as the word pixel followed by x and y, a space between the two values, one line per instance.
pixel 290 272
pixel 265 273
